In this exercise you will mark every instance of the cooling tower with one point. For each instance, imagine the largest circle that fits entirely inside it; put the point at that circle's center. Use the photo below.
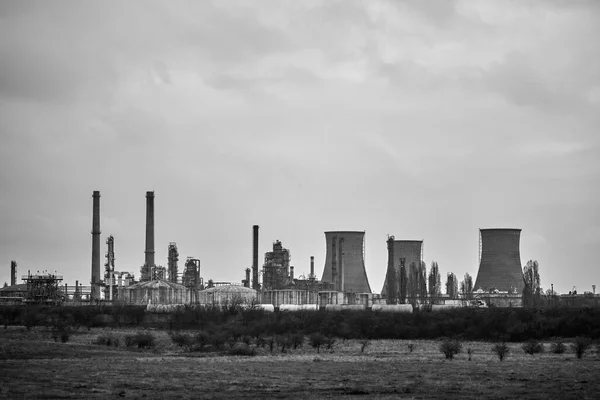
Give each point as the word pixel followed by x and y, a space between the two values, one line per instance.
pixel 95 292
pixel 345 262
pixel 407 251
pixel 499 261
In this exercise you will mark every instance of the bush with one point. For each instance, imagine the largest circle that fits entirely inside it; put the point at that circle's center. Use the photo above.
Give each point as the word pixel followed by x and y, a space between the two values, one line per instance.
pixel 202 339
pixel 558 347
pixel 329 342
pixel 450 347
pixel 141 339
pixel 411 347
pixel 62 332
pixel 284 341
pixel 182 339
pixel 532 347
pixel 242 349
pixel 297 340
pixel 470 353
pixel 580 345
pixel 107 339
pixel 364 344
pixel 501 350
pixel 317 340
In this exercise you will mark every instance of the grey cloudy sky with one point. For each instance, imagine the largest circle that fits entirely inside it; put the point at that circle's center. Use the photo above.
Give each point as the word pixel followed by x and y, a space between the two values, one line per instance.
pixel 422 119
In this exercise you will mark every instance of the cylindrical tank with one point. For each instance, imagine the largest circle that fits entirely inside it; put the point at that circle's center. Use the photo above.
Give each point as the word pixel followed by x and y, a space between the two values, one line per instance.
pixel 345 261
pixel 395 308
pixel 500 261
pixel 409 251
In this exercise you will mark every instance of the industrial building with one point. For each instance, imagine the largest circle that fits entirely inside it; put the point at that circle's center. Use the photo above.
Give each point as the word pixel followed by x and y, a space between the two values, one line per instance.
pixel 276 269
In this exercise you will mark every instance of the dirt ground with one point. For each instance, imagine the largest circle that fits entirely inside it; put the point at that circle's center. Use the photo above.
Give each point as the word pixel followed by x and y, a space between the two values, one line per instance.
pixel 33 366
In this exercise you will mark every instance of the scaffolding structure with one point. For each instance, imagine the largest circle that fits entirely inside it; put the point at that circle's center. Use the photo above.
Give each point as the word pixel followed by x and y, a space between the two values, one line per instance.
pixel 173 258
pixel 109 281
pixel 276 269
pixel 43 288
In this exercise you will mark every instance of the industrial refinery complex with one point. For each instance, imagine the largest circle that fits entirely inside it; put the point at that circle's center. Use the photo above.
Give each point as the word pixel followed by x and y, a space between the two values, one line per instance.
pixel 344 283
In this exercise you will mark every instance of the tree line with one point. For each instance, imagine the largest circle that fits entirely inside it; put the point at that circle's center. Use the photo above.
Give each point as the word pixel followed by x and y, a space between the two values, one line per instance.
pixel 414 286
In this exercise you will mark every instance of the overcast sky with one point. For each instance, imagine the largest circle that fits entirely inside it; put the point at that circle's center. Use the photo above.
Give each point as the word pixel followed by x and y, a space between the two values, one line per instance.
pixel 420 119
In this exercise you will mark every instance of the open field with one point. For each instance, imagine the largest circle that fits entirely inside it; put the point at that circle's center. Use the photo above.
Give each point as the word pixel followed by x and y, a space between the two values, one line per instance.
pixel 32 365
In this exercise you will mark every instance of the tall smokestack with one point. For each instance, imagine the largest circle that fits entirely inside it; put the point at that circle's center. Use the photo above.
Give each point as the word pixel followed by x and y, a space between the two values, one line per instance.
pixel 312 267
pixel 149 235
pixel 255 284
pixel 13 273
pixel 95 294
pixel 392 285
pixel 292 273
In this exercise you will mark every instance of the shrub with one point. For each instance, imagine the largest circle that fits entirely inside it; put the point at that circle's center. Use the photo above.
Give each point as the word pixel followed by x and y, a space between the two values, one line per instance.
pixel 317 340
pixel 470 353
pixel 218 340
pixel 107 339
pixel 297 340
pixel 411 347
pixel 501 350
pixel 242 349
pixel 62 332
pixel 364 344
pixel 533 347
pixel 141 339
pixel 246 339
pixel 450 347
pixel 284 341
pixel 558 347
pixel 329 342
pixel 202 339
pixel 271 342
pixel 182 339
pixel 580 345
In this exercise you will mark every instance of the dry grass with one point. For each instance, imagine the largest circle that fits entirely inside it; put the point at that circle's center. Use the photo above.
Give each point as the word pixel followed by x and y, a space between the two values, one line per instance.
pixel 32 365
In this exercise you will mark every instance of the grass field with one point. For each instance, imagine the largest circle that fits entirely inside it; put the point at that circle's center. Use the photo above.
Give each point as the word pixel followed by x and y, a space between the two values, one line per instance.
pixel 33 365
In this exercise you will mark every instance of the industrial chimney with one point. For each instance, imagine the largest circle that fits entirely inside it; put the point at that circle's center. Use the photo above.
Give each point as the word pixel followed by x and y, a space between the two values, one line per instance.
pixel 312 267
pixel 149 263
pixel 255 284
pixel 411 251
pixel 13 273
pixel 345 261
pixel 391 277
pixel 95 292
pixel 499 261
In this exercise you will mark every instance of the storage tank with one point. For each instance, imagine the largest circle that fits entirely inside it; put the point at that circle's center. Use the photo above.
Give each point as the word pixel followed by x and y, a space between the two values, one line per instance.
pixel 407 251
pixel 499 261
pixel 345 261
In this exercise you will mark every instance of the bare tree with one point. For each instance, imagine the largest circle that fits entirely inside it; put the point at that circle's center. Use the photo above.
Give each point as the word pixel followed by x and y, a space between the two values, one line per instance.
pixel 452 285
pixel 466 287
pixel 423 282
pixel 403 283
pixel 532 292
pixel 413 283
pixel 434 281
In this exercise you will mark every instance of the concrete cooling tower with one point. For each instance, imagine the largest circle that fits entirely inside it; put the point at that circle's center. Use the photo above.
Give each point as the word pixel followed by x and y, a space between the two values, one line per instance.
pixel 499 260
pixel 345 262
pixel 407 251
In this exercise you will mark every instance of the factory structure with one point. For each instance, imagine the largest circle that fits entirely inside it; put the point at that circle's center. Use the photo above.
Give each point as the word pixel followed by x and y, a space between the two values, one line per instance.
pixel 273 285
